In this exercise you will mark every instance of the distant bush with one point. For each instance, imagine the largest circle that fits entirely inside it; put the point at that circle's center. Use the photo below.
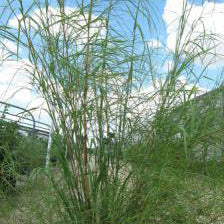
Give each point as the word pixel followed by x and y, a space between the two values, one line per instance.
pixel 9 135
pixel 30 154
pixel 19 154
pixel 9 139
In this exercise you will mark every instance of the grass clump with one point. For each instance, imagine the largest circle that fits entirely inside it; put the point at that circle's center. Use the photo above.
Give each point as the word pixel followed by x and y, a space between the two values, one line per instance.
pixel 124 156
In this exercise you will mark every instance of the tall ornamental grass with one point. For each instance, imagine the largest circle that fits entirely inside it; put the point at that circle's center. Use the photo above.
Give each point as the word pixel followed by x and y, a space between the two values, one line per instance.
pixel 125 154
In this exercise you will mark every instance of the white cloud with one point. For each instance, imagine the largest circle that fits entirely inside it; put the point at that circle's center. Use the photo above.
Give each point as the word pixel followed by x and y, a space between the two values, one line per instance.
pixel 16 95
pixel 201 20
pixel 8 45
pixel 168 65
pixel 148 99
pixel 154 43
pixel 7 49
pixel 40 111
pixel 14 80
pixel 16 88
pixel 75 26
pixel 13 72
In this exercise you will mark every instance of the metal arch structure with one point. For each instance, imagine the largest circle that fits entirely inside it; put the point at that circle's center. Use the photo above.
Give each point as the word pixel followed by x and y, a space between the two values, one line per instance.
pixel 37 127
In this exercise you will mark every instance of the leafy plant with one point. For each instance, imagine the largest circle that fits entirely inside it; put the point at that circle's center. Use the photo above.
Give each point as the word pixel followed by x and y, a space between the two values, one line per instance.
pixel 30 154
pixel 9 139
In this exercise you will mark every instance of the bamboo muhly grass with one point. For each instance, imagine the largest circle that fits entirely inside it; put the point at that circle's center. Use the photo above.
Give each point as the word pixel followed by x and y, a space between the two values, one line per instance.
pixel 121 147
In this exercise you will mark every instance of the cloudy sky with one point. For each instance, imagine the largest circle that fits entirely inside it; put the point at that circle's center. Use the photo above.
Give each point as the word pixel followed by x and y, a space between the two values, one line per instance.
pixel 15 84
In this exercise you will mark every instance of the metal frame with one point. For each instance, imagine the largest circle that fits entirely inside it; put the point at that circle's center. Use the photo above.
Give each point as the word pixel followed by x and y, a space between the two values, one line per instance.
pixel 35 127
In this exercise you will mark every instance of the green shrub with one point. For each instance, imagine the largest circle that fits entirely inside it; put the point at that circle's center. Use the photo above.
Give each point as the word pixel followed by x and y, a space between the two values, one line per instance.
pixel 18 154
pixel 9 135
pixel 30 154
pixel 9 139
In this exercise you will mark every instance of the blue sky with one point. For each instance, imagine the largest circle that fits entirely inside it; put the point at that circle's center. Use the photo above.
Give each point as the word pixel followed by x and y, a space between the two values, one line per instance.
pixel 160 37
